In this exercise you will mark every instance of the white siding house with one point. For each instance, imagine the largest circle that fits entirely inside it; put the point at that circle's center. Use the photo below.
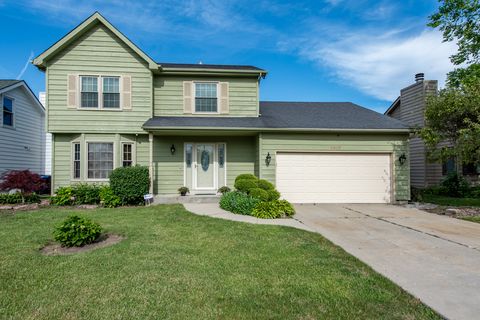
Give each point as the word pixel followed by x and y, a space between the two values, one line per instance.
pixel 42 96
pixel 22 128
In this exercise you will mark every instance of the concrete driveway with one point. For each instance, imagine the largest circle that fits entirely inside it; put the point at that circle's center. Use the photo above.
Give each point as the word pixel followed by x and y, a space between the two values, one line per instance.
pixel 435 258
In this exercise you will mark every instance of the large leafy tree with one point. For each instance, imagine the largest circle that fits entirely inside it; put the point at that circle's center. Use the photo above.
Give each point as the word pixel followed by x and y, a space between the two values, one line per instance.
pixel 454 115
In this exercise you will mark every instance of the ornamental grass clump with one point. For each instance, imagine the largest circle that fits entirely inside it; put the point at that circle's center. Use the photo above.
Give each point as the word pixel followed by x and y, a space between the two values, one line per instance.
pixel 77 231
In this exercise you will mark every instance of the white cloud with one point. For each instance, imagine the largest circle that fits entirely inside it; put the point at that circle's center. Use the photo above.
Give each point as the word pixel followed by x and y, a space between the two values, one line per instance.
pixel 27 63
pixel 381 65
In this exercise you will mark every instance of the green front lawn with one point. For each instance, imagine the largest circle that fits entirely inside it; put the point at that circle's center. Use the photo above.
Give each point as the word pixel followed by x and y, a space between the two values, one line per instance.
pixel 176 265
pixel 472 219
pixel 450 201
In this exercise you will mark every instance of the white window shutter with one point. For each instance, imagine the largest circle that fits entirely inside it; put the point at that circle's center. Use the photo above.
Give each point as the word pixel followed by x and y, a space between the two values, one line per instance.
pixel 72 91
pixel 187 96
pixel 127 92
pixel 224 103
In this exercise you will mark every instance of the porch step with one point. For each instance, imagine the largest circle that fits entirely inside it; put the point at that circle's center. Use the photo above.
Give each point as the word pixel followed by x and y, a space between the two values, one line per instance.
pixel 175 198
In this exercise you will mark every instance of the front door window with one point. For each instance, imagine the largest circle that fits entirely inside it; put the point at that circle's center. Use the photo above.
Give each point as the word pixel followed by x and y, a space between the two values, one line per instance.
pixel 205 168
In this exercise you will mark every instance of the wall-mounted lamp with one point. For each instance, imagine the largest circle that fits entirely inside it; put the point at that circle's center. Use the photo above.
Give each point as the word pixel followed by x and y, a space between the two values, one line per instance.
pixel 172 149
pixel 402 159
pixel 268 159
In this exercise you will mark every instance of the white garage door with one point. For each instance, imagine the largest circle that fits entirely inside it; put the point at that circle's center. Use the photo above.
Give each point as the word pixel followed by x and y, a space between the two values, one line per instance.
pixel 334 177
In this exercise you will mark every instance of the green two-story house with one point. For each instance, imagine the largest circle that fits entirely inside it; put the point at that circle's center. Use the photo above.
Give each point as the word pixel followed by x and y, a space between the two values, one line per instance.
pixel 196 125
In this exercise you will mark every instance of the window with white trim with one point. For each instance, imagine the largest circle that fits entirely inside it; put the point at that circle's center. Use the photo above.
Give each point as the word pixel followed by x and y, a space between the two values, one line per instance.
pixel 100 160
pixel 206 97
pixel 100 92
pixel 76 160
pixel 7 111
pixel 127 155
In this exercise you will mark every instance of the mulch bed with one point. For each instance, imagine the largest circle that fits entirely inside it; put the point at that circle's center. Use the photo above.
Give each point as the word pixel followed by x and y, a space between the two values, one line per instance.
pixel 55 249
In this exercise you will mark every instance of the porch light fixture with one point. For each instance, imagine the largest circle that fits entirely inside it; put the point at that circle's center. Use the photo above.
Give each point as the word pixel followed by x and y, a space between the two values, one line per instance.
pixel 268 159
pixel 402 159
pixel 172 149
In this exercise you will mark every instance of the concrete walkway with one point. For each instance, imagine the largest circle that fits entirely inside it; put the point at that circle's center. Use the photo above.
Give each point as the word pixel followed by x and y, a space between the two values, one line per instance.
pixel 435 258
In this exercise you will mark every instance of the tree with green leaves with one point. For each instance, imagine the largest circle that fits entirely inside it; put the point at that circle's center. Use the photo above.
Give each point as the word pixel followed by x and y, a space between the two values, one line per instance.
pixel 454 115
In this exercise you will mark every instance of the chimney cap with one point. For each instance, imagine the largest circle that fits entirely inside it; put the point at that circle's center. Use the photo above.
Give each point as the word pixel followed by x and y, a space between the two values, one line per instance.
pixel 419 77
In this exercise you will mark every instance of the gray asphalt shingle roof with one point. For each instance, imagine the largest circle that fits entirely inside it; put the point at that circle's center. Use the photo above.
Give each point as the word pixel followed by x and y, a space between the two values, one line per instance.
pixel 291 115
pixel 208 66
pixel 7 83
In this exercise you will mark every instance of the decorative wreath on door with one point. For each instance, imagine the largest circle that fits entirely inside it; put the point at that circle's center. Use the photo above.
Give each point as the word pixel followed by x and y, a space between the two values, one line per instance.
pixel 205 159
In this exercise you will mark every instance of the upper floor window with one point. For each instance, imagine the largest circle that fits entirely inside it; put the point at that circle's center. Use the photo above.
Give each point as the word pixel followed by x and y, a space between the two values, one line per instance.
pixel 206 97
pixel 7 111
pixel 106 87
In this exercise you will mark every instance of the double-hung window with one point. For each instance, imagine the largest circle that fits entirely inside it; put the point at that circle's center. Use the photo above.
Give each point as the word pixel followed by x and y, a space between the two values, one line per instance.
pixel 206 97
pixel 127 158
pixel 100 92
pixel 100 160
pixel 7 111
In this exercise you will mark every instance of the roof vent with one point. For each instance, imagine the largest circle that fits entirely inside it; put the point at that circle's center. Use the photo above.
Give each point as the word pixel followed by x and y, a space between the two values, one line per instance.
pixel 419 77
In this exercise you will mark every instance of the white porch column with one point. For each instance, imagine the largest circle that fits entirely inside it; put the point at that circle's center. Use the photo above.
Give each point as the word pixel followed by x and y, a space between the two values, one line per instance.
pixel 150 161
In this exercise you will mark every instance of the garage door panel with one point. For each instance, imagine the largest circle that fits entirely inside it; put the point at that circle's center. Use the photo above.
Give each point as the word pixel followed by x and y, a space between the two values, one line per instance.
pixel 329 177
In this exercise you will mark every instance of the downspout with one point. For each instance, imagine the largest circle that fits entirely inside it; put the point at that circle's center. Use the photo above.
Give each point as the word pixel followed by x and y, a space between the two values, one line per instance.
pixel 150 161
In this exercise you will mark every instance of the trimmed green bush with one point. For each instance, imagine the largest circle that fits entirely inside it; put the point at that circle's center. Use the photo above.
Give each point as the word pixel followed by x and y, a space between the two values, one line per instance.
pixel 273 209
pixel 244 185
pixel 77 231
pixel 238 203
pixel 265 185
pixel 224 190
pixel 246 176
pixel 108 198
pixel 130 184
pixel 273 195
pixel 63 197
pixel 259 194
pixel 86 193
pixel 13 198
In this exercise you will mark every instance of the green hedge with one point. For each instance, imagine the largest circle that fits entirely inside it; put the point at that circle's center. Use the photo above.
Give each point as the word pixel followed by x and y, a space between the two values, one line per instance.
pixel 130 184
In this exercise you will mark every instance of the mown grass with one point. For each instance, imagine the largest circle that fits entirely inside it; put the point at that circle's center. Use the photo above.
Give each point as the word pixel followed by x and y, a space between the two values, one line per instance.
pixel 450 201
pixel 176 265
pixel 472 219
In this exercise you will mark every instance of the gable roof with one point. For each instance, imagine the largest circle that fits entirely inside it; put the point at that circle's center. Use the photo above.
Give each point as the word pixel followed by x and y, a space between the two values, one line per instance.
pixel 8 85
pixel 300 116
pixel 167 66
pixel 395 104
pixel 94 19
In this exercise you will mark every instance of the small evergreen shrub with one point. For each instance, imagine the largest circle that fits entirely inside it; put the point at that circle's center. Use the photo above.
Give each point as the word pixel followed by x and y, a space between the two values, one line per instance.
pixel 130 184
pixel 238 203
pixel 273 195
pixel 77 231
pixel 244 185
pixel 63 197
pixel 86 193
pixel 273 209
pixel 455 185
pixel 265 185
pixel 223 190
pixel 246 176
pixel 108 198
pixel 259 194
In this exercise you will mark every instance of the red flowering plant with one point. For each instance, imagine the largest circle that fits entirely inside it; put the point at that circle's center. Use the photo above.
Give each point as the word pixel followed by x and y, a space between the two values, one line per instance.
pixel 24 180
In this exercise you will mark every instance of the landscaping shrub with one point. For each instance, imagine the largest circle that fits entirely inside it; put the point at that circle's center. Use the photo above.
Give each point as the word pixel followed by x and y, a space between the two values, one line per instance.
pixel 244 185
pixel 273 195
pixel 223 190
pixel 246 176
pixel 24 180
pixel 265 185
pixel 63 197
pixel 130 184
pixel 77 231
pixel 31 198
pixel 455 185
pixel 475 192
pixel 13 198
pixel 85 193
pixel 259 194
pixel 273 209
pixel 108 198
pixel 238 203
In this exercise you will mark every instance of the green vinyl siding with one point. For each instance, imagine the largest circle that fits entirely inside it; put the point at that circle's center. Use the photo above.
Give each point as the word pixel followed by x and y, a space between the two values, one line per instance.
pixel 347 143
pixel 168 95
pixel 169 169
pixel 98 51
pixel 62 162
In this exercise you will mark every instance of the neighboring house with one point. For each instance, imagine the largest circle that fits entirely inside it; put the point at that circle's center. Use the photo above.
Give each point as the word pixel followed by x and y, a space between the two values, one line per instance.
pixel 110 105
pixel 42 97
pixel 409 108
pixel 22 128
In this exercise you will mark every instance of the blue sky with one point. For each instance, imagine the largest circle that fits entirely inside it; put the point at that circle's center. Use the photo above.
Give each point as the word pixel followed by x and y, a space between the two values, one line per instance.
pixel 326 50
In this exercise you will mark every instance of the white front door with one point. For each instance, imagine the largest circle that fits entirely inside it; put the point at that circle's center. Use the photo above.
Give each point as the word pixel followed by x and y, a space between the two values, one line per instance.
pixel 205 168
